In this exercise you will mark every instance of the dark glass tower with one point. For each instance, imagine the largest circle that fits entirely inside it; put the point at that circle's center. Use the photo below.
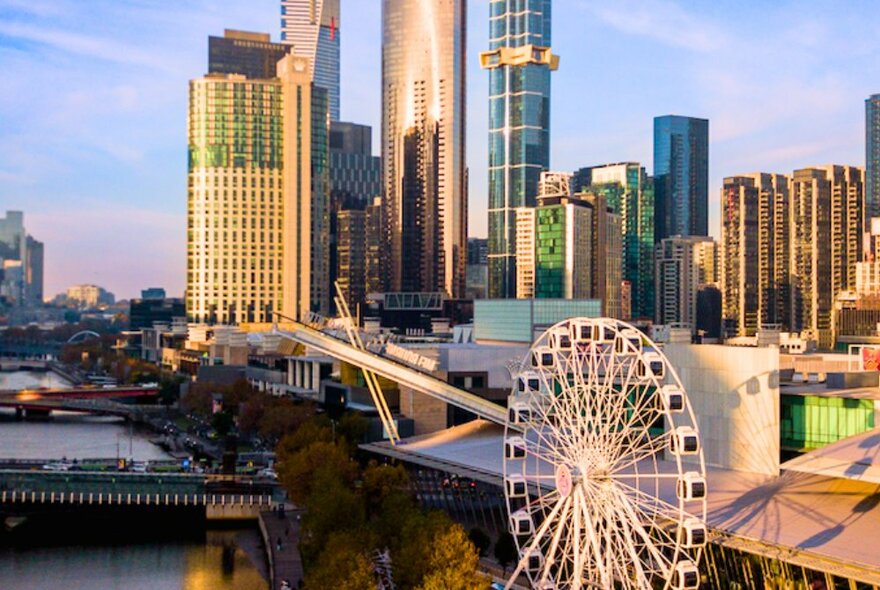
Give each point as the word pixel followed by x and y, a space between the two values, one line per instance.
pixel 681 176
pixel 872 158
pixel 519 61
pixel 252 55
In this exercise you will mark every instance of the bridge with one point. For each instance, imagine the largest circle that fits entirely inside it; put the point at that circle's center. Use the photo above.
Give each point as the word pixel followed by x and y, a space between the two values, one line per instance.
pixel 84 400
pixel 390 368
pixel 219 497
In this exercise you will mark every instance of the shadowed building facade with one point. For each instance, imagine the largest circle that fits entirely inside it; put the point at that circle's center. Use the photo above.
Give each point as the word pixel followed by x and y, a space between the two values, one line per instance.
pixel 872 156
pixel 519 61
pixel 423 145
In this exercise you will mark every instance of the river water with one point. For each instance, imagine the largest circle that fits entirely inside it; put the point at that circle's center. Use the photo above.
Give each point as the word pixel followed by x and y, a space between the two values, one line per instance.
pixel 221 560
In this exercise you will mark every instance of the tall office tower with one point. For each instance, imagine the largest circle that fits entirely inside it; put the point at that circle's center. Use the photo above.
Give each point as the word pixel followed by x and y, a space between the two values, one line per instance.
pixel 374 242
pixel 252 55
pixel 519 61
pixel 756 247
pixel 477 268
pixel 355 179
pixel 312 27
pixel 250 191
pixel 33 271
pixel 685 264
pixel 423 144
pixel 872 156
pixel 351 261
pixel 827 223
pixel 681 176
pixel 320 284
pixel 630 193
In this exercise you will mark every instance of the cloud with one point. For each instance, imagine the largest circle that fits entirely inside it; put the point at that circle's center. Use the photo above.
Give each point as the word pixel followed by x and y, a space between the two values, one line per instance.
pixel 660 20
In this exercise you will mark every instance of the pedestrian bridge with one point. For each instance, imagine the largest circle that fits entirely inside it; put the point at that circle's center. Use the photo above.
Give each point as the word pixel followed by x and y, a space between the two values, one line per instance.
pixel 222 498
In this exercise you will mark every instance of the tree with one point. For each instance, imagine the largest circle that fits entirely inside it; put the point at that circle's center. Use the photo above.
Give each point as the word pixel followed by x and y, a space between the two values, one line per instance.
pixel 452 562
pixel 314 430
pixel 343 564
pixel 299 472
pixel 331 508
pixel 480 540
pixel 380 481
pixel 222 422
pixel 505 549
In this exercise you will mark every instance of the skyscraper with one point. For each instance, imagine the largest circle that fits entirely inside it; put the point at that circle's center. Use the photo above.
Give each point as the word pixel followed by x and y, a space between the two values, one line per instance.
pixel 630 193
pixel 21 262
pixel 826 241
pixel 249 205
pixel 312 27
pixel 872 156
pixel 756 247
pixel 684 265
pixel 252 55
pixel 355 180
pixel 423 144
pixel 519 61
pixel 681 176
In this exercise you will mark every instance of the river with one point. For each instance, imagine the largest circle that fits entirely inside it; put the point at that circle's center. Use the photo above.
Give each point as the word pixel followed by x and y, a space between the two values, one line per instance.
pixel 221 560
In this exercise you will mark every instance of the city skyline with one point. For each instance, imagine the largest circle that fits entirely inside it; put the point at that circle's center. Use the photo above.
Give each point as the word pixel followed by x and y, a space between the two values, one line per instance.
pixel 128 132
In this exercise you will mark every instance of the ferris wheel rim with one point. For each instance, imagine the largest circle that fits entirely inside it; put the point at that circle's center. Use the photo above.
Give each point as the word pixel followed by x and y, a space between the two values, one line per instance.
pixel 587 472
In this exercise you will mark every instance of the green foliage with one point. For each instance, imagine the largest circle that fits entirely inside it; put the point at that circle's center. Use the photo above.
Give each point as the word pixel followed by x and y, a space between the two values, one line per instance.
pixel 300 471
pixel 343 564
pixel 480 540
pixel 380 481
pixel 332 508
pixel 505 549
pixel 222 422
pixel 452 562
pixel 317 429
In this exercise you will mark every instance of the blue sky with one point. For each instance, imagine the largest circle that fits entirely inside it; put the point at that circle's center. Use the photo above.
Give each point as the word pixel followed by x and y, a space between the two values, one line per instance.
pixel 93 104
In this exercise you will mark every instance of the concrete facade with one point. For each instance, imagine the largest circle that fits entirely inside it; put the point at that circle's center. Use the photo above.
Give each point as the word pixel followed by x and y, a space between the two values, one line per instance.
pixel 734 392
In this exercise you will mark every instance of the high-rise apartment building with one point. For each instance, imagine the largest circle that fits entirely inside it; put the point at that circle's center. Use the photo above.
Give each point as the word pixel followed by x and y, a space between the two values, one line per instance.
pixel 351 256
pixel 312 27
pixel 519 61
pixel 681 176
pixel 33 271
pixel 755 242
pixel 685 264
pixel 253 55
pixel 827 229
pixel 250 198
pixel 525 252
pixel 374 245
pixel 423 144
pixel 872 156
pixel 629 192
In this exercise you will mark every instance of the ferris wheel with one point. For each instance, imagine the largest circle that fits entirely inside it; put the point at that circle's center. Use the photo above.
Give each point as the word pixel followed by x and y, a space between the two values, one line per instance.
pixel 604 476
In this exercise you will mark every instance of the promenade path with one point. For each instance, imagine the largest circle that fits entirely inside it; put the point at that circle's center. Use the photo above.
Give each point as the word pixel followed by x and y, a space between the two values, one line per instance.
pixel 281 535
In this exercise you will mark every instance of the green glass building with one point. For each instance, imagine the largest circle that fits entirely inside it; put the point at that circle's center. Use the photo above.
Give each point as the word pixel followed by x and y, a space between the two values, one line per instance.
pixel 629 192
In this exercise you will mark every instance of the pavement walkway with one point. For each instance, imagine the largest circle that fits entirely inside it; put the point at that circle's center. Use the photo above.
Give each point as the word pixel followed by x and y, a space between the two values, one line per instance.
pixel 281 534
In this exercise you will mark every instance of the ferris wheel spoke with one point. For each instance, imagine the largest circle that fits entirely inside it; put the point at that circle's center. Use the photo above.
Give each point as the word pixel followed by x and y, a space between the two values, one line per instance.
pixel 635 524
pixel 597 413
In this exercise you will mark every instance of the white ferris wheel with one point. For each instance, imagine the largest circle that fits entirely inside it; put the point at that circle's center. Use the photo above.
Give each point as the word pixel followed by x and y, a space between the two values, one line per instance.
pixel 604 474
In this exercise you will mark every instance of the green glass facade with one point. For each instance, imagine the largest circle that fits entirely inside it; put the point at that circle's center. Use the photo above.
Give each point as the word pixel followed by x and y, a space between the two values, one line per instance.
pixel 550 252
pixel 810 422
pixel 629 191
pixel 234 124
pixel 515 320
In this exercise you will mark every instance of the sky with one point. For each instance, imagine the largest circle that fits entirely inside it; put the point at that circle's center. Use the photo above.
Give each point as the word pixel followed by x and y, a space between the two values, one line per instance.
pixel 94 94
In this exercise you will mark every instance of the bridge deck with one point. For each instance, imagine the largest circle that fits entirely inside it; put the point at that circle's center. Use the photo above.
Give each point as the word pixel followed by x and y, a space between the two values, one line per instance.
pixel 396 371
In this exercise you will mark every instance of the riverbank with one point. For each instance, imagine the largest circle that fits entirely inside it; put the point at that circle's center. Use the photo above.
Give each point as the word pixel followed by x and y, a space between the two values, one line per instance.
pixel 281 534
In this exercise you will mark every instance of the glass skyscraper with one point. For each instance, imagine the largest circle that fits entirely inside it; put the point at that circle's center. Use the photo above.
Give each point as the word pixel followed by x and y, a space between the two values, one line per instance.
pixel 312 27
pixel 519 61
pixel 629 192
pixel 252 55
pixel 681 176
pixel 423 145
pixel 872 157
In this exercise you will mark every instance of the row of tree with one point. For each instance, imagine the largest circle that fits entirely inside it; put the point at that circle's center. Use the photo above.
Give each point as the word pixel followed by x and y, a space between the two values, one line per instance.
pixel 354 512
